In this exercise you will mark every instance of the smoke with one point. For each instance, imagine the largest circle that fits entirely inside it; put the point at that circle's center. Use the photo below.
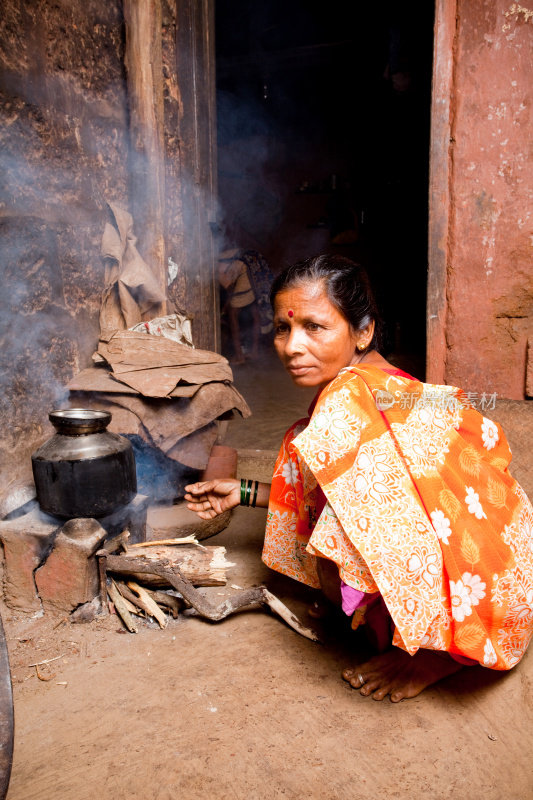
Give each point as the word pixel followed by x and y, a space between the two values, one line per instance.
pixel 53 179
pixel 161 478
pixel 252 192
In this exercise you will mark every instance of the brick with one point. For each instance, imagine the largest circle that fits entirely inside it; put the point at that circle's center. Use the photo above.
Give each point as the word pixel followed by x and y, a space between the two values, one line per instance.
pixel 69 577
pixel 26 540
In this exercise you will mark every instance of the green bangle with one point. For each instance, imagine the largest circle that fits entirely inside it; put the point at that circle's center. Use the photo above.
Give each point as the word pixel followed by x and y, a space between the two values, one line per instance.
pixel 243 492
pixel 248 492
pixel 255 493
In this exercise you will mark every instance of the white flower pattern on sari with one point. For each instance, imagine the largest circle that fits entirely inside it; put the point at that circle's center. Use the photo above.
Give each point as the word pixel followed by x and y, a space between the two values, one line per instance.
pixel 489 433
pixel 381 473
pixel 474 506
pixel 441 525
pixel 424 437
pixel 333 430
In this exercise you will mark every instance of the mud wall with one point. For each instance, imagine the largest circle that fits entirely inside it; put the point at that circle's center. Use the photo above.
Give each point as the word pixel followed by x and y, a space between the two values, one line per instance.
pixel 489 236
pixel 63 127
pixel 67 145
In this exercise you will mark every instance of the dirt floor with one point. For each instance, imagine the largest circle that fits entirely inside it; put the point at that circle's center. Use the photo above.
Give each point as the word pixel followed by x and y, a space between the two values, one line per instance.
pixel 246 708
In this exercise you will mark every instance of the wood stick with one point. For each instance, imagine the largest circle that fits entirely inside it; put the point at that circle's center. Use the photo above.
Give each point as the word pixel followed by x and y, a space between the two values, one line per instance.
pixel 120 606
pixel 202 567
pixel 159 542
pixel 154 611
pixel 133 604
pixel 132 598
pixel 43 677
pixel 174 576
pixel 170 601
pixel 47 661
pixel 285 613
pixel 118 541
pixel 102 577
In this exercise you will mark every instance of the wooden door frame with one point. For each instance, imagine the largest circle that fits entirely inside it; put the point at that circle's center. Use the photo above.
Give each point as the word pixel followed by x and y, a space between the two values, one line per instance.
pixel 195 64
pixel 440 177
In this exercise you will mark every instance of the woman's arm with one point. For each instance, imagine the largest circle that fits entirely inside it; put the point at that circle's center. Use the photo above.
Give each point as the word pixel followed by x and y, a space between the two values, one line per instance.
pixel 211 498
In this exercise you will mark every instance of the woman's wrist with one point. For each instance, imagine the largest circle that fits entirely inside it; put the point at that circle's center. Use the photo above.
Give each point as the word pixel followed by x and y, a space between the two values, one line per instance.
pixel 253 493
pixel 249 490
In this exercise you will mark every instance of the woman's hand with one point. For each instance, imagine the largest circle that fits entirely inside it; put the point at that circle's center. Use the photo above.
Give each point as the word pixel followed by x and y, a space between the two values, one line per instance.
pixel 211 498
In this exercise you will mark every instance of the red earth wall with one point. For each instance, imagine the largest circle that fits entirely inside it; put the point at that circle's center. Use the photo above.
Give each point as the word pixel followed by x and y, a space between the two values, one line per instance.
pixel 489 269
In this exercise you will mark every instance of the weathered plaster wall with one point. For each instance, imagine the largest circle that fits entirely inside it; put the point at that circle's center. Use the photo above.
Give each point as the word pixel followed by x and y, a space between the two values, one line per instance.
pixel 173 108
pixel 77 125
pixel 490 275
pixel 63 149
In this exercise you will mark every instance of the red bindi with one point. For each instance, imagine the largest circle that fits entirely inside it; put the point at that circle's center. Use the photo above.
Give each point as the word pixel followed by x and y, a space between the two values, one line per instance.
pixel 290 312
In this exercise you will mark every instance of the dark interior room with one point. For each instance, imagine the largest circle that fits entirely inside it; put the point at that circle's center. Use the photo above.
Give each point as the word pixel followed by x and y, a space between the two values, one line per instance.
pixel 323 114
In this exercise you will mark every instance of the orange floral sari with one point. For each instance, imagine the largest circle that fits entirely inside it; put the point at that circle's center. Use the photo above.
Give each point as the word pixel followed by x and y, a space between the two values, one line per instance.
pixel 406 488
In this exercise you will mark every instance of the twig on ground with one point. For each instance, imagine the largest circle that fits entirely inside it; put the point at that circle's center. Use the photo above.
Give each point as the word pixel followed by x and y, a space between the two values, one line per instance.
pixel 43 677
pixel 47 661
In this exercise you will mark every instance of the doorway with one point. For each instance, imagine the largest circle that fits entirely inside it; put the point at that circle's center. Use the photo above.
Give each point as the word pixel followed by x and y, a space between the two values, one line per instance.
pixel 323 122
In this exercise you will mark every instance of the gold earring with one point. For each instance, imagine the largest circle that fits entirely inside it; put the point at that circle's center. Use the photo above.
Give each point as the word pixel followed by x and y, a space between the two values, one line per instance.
pixel 361 347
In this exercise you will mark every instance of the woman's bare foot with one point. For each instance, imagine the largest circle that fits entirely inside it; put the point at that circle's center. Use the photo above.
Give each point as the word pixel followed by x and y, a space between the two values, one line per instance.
pixel 399 674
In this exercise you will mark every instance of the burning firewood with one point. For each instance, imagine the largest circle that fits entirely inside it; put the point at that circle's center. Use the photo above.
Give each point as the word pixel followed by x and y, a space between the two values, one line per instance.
pixel 202 567
pixel 140 600
pixel 157 543
pixel 172 575
pixel 121 607
pixel 149 603
pixel 133 603
pixel 170 601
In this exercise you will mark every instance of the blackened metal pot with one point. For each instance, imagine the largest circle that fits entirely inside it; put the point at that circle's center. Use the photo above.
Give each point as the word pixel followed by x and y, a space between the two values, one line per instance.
pixel 83 470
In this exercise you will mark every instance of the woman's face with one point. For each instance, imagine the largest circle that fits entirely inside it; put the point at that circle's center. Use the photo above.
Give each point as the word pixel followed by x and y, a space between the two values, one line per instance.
pixel 312 338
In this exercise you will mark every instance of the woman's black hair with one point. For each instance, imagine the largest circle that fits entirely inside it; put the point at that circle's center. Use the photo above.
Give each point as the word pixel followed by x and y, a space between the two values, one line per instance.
pixel 346 284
